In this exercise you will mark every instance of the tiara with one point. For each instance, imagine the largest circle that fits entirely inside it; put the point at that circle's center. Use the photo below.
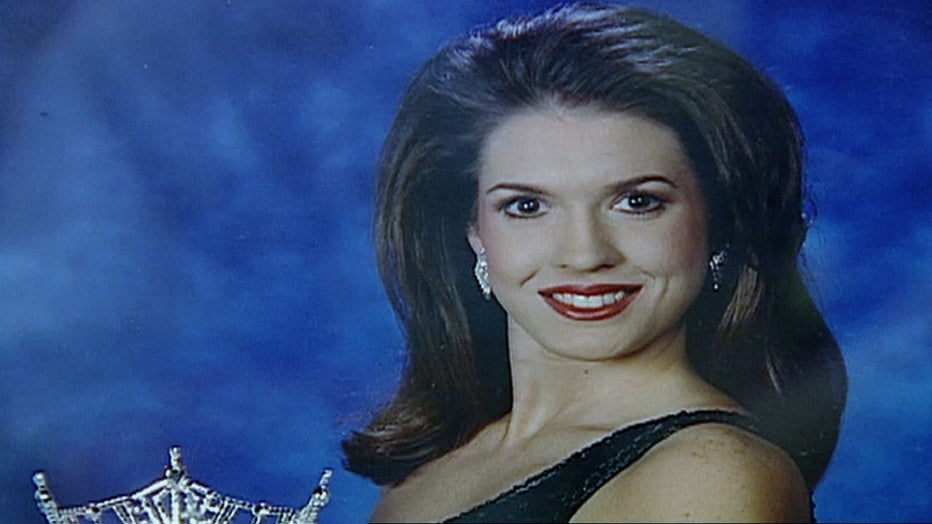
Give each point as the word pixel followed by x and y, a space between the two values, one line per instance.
pixel 178 499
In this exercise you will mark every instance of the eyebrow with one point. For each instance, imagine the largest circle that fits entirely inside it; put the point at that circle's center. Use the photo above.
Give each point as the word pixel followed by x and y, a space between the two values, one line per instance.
pixel 613 188
pixel 521 188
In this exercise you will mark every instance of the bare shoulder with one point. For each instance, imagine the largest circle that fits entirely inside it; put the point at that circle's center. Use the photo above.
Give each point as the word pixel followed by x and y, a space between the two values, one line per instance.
pixel 386 510
pixel 706 473
pixel 407 502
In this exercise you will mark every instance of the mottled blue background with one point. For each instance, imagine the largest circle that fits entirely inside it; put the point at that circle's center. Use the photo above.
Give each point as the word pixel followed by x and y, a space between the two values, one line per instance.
pixel 185 197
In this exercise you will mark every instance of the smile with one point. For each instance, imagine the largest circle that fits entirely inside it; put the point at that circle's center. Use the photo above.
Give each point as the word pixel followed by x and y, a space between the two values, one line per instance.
pixel 590 303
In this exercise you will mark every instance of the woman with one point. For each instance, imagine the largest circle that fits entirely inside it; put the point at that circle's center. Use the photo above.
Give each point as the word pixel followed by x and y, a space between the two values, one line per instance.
pixel 641 346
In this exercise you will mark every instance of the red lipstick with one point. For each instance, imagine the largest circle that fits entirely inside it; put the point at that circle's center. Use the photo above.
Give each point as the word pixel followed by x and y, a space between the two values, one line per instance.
pixel 590 302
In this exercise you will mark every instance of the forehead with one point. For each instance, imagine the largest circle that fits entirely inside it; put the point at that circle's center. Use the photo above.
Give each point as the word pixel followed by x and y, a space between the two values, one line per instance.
pixel 576 143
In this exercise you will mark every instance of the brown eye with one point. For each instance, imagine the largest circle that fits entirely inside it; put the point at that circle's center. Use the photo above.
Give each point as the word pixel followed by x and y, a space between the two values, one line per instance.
pixel 524 207
pixel 528 206
pixel 639 203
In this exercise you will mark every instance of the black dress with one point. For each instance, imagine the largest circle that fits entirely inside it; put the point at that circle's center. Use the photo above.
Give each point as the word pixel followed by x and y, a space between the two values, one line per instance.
pixel 555 494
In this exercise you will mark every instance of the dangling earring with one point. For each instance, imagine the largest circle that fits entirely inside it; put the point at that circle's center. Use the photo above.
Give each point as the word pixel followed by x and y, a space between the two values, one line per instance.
pixel 482 274
pixel 716 264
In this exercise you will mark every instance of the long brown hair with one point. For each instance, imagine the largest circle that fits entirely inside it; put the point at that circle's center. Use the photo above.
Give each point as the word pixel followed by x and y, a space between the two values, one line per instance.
pixel 760 338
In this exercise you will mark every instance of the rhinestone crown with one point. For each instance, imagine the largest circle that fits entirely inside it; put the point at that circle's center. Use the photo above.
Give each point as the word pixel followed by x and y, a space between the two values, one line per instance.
pixel 178 499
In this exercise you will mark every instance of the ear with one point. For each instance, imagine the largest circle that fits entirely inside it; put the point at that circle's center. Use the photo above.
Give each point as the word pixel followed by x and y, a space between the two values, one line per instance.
pixel 472 235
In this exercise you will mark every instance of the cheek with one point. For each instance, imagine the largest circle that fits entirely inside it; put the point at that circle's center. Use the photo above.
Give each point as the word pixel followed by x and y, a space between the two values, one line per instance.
pixel 688 249
pixel 679 248
pixel 511 251
pixel 508 257
pixel 494 239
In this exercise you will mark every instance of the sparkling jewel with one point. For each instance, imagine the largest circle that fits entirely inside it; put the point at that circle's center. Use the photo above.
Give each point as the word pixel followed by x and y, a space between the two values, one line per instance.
pixel 177 499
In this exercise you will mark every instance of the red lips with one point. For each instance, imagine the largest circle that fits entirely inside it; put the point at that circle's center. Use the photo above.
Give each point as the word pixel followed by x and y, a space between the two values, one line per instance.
pixel 590 302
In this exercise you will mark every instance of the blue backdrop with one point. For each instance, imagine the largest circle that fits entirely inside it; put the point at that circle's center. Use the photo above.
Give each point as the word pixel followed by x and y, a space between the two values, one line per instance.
pixel 185 197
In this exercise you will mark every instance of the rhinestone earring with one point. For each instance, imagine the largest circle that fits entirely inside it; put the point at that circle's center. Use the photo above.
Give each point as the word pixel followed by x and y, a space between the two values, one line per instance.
pixel 482 274
pixel 716 265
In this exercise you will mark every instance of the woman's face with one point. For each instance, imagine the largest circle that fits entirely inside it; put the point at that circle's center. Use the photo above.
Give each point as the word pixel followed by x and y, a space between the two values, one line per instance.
pixel 594 226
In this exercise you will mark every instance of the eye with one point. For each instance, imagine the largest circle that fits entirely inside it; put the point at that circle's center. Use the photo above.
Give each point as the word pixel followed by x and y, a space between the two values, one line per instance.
pixel 524 207
pixel 638 203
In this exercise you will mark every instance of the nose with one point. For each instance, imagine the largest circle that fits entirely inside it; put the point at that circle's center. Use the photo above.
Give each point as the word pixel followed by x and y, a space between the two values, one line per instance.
pixel 584 243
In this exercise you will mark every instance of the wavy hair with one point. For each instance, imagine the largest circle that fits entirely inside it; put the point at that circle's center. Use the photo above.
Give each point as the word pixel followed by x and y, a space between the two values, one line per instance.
pixel 760 339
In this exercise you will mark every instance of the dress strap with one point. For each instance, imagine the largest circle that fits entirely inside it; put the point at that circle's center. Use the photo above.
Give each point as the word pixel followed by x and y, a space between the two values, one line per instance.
pixel 556 493
pixel 618 451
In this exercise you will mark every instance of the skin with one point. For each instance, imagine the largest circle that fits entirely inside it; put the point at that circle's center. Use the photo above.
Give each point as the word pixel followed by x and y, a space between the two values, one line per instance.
pixel 577 197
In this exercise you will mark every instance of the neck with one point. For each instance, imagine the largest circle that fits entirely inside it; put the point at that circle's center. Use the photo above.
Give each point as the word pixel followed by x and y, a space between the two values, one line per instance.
pixel 554 392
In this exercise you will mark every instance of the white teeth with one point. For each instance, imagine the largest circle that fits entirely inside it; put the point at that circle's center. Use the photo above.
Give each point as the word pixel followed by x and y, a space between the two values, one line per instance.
pixel 588 301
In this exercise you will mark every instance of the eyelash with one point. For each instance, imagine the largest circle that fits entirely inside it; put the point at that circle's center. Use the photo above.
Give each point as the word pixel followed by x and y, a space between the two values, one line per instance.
pixel 657 204
pixel 508 206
